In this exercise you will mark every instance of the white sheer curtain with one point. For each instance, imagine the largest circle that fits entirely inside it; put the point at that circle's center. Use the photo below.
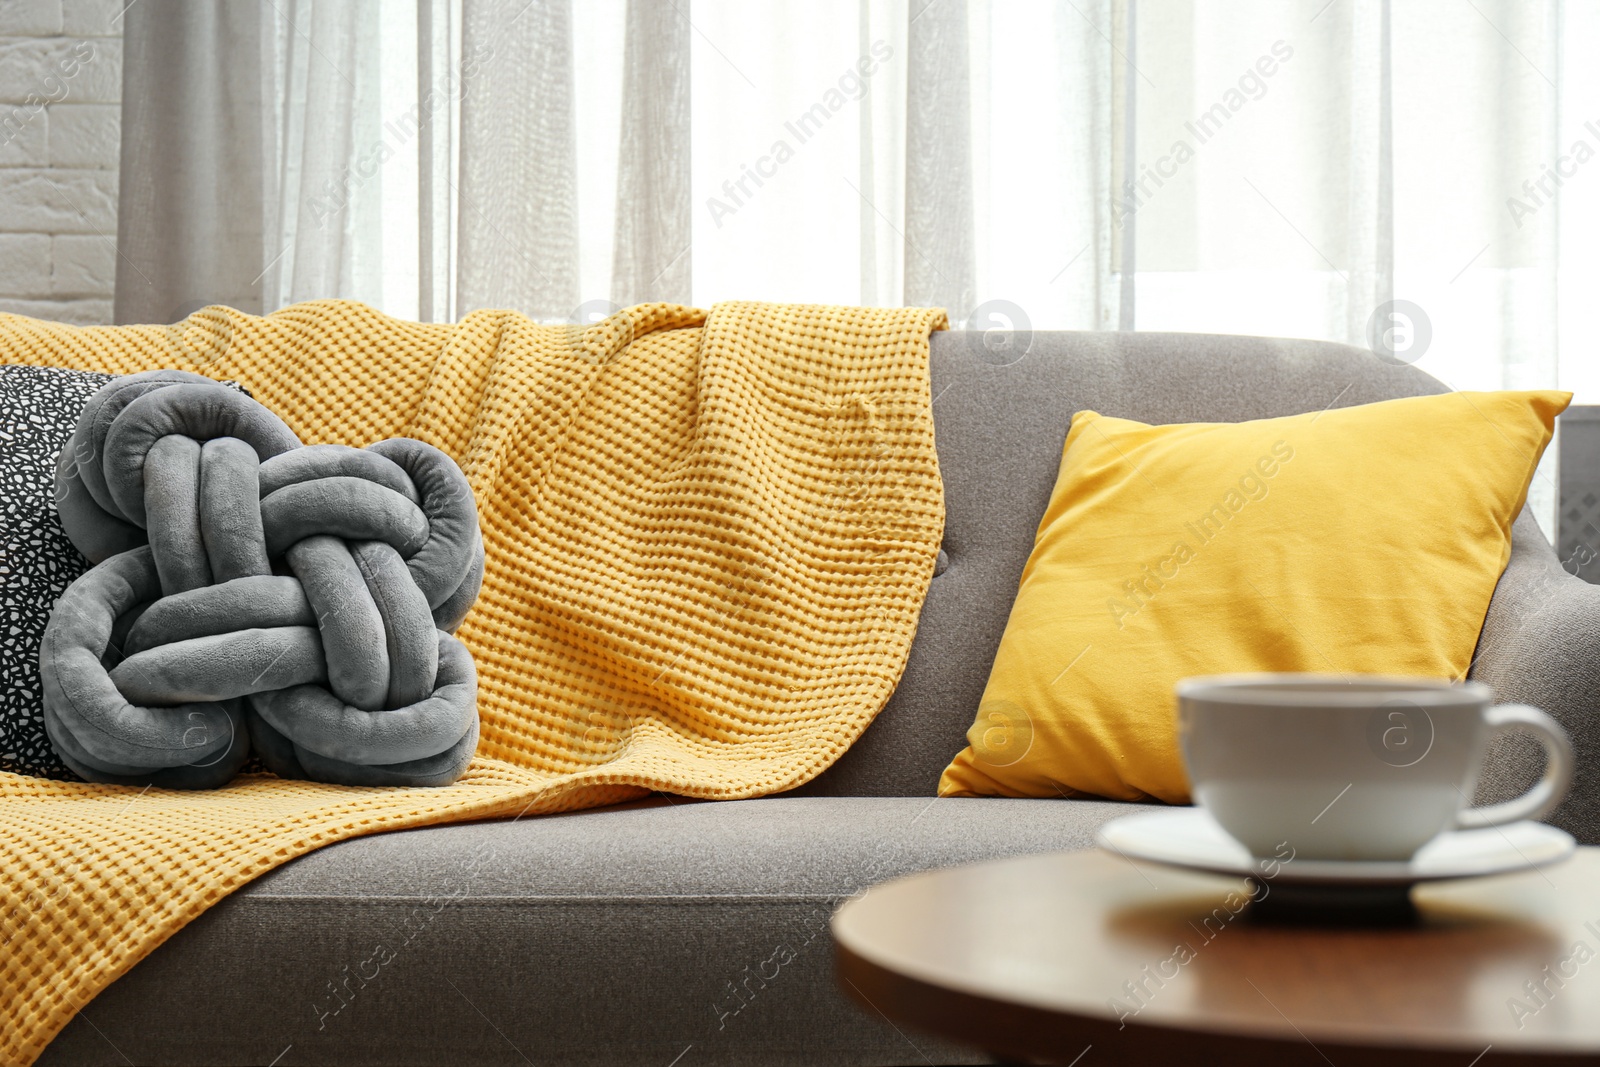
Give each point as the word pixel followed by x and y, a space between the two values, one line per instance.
pixel 326 152
pixel 1414 173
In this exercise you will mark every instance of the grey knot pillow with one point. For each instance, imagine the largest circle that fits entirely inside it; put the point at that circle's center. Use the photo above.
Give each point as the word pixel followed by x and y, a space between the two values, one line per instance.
pixel 250 591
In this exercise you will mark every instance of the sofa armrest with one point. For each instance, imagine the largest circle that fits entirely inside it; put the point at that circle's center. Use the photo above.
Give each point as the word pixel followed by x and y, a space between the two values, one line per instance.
pixel 1540 645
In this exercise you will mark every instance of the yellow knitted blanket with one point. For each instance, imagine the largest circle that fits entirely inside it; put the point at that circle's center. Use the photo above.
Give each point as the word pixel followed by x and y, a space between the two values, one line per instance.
pixel 708 536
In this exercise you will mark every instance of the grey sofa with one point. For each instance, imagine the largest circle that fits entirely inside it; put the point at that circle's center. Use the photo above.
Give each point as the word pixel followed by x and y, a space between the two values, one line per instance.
pixel 678 934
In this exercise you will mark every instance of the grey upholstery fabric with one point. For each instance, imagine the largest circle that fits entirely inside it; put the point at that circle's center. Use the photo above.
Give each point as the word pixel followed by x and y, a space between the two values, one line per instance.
pixel 616 937
pixel 1541 645
pixel 147 659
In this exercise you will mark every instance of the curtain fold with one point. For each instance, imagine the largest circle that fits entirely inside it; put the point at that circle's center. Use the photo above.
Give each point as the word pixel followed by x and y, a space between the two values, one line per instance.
pixel 653 257
pixel 940 258
pixel 881 147
pixel 438 94
pixel 324 223
pixel 191 208
pixel 1369 221
pixel 518 189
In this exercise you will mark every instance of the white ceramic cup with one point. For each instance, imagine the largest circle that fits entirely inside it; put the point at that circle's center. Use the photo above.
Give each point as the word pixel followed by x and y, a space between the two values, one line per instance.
pixel 1352 767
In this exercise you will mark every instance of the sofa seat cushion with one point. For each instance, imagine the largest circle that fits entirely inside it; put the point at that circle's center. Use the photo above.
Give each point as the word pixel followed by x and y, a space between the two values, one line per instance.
pixel 622 935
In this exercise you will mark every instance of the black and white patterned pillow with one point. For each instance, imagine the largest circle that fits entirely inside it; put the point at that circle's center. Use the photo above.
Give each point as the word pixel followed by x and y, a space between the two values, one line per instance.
pixel 39 407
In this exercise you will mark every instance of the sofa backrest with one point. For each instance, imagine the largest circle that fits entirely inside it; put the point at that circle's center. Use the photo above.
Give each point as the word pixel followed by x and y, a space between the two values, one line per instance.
pixel 999 423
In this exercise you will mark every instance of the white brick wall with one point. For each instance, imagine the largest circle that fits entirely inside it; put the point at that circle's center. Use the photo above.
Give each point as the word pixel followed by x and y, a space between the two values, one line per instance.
pixel 60 117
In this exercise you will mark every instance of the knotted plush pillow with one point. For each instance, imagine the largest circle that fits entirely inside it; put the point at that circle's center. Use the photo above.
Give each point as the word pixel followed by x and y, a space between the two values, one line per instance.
pixel 249 589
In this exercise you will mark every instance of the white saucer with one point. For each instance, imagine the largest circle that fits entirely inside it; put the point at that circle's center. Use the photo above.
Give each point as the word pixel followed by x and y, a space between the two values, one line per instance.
pixel 1190 837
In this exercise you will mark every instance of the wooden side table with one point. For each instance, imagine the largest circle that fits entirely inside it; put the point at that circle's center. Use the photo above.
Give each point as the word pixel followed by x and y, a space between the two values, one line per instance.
pixel 1089 959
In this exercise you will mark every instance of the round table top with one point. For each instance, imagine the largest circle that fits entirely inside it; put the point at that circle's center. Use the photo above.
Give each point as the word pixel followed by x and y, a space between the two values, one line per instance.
pixel 1042 957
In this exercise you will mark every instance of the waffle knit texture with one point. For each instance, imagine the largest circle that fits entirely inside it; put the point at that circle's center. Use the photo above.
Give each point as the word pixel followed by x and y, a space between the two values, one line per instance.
pixel 708 541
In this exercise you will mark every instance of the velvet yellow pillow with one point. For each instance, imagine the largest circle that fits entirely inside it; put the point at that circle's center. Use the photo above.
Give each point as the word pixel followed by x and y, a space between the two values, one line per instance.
pixel 1365 539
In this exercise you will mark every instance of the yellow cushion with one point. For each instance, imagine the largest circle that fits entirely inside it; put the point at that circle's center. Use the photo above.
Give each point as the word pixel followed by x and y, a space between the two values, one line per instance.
pixel 1365 539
